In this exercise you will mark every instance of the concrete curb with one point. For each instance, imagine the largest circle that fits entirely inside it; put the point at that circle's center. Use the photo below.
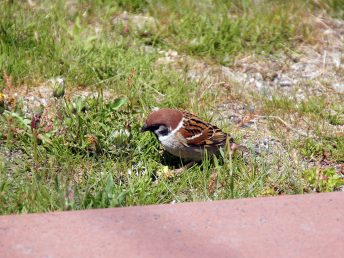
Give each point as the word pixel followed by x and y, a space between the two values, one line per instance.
pixel 285 226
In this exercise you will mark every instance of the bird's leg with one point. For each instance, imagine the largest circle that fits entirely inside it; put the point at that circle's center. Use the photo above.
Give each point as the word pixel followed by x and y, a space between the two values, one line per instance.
pixel 183 168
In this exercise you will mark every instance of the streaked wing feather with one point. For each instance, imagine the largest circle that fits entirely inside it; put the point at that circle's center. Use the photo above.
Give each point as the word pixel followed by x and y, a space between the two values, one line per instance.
pixel 201 134
pixel 182 139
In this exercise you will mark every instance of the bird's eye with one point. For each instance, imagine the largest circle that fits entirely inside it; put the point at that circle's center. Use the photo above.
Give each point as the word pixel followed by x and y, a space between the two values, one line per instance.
pixel 161 131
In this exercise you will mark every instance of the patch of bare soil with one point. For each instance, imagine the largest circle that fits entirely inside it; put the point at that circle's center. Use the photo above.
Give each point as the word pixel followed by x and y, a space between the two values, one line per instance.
pixel 32 99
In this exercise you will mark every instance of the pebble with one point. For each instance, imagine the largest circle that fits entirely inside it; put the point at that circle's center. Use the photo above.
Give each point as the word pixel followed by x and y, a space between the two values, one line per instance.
pixel 285 82
pixel 339 87
pixel 140 22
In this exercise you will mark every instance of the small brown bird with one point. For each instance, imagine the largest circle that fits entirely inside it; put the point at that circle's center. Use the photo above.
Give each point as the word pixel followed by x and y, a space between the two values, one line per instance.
pixel 185 135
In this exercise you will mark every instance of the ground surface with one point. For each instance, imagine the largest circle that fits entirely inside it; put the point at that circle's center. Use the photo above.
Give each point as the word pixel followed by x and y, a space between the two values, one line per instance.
pixel 268 72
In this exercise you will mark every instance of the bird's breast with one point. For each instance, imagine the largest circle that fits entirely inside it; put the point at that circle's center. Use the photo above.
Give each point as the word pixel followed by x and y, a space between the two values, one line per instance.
pixel 174 145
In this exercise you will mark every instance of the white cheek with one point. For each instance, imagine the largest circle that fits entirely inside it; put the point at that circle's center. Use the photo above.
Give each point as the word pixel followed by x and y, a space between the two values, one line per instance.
pixel 170 141
pixel 163 138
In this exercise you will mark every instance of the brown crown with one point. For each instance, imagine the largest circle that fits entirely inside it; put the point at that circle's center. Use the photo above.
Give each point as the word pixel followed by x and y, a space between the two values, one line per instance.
pixel 166 116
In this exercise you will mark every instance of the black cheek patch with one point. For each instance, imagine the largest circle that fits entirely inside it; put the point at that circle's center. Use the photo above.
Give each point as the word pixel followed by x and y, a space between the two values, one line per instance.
pixel 164 132
pixel 161 131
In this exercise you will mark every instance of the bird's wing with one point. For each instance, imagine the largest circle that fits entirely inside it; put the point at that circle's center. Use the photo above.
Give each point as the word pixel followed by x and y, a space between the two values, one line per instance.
pixel 197 133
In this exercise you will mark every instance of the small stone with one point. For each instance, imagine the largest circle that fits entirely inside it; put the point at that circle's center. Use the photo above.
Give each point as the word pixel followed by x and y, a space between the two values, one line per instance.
pixel 234 119
pixel 232 75
pixel 140 22
pixel 195 42
pixel 336 58
pixel 258 76
pixel 339 87
pixel 285 82
pixel 311 71
pixel 149 49
pixel 260 85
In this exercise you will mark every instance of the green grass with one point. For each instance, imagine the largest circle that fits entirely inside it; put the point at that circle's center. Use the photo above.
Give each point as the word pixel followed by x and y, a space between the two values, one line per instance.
pixel 56 40
pixel 88 160
pixel 223 30
pixel 89 153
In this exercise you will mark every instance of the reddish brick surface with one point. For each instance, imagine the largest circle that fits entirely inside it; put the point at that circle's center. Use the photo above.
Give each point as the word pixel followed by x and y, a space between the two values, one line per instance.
pixel 289 226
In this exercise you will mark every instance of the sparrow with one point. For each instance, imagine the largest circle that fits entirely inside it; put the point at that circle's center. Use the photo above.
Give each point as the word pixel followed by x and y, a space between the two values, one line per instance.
pixel 185 135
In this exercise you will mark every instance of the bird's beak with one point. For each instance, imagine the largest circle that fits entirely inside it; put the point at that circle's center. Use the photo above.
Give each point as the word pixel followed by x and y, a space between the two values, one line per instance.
pixel 144 128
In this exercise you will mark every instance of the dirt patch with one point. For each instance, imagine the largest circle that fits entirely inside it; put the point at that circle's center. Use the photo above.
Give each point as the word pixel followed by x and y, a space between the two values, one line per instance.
pixel 32 99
